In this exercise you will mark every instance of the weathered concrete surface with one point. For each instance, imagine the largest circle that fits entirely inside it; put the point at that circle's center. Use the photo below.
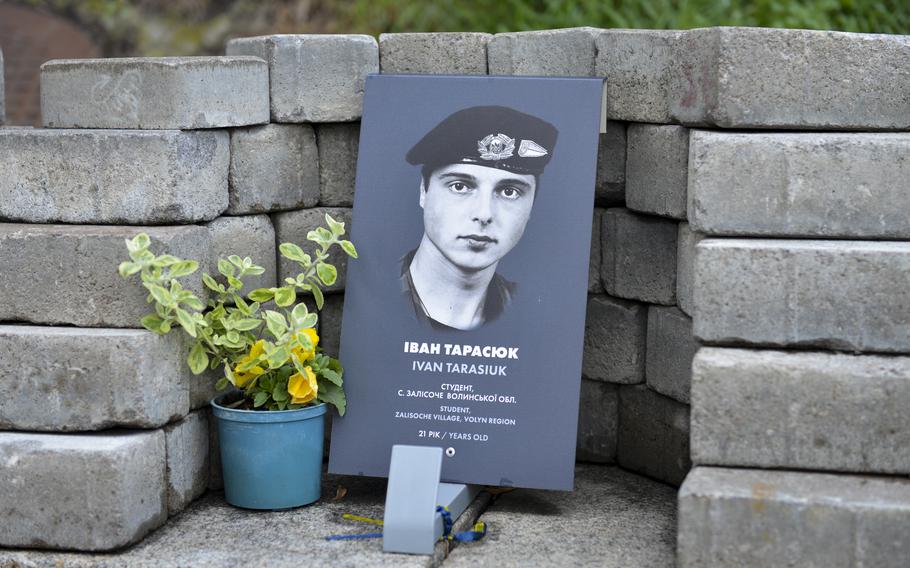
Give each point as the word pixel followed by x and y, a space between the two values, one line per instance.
pixel 598 412
pixel 637 64
pixel 2 92
pixel 71 379
pixel 212 534
pixel 446 53
pixel 216 479
pixel 67 274
pixel 737 517
pixel 154 92
pixel 566 52
pixel 610 187
pixel 338 144
pixel 656 167
pixel 613 519
pixel 187 443
pixel 800 184
pixel 615 337
pixel 112 176
pixel 671 347
pixel 252 236
pixel 315 77
pixel 798 410
pixel 653 434
pixel 686 241
pixel 594 284
pixel 293 227
pixel 639 257
pixel 797 79
pixel 844 295
pixel 273 167
pixel 83 492
pixel 330 324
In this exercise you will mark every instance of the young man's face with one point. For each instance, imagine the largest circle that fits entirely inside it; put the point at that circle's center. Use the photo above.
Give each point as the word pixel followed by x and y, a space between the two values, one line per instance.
pixel 475 215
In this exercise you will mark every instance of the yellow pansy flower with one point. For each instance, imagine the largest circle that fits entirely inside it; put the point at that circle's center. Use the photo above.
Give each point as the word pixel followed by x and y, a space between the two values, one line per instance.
pixel 242 378
pixel 306 354
pixel 302 388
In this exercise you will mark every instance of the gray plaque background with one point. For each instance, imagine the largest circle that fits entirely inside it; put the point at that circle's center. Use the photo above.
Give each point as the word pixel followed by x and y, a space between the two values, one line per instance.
pixel 545 321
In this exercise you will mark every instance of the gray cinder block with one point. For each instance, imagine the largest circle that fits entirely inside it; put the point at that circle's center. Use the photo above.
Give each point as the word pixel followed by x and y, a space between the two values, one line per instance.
pixel 610 188
pixel 154 92
pixel 252 236
pixel 800 184
pixel 844 295
pixel 2 92
pixel 761 518
pixel 91 379
pixel 594 284
pixel 67 274
pixel 330 324
pixel 614 349
pixel 653 434
pixel 83 492
pixel 293 226
pixel 568 52
pixel 598 411
pixel 656 166
pixel 338 144
pixel 671 347
pixel 639 257
pixel 447 53
pixel 273 167
pixel 187 443
pixel 801 410
pixel 314 77
pixel 798 79
pixel 113 176
pixel 686 242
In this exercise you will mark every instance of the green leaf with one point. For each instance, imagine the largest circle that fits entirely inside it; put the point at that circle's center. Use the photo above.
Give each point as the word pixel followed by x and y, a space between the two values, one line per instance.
pixel 152 322
pixel 336 226
pixel 285 296
pixel 161 295
pixel 348 247
pixel 332 394
pixel 222 383
pixel 139 242
pixel 198 360
pixel 317 295
pixel 280 393
pixel 293 252
pixel 142 256
pixel 183 268
pixel 235 283
pixel 324 234
pixel 309 320
pixel 194 303
pixel 299 312
pixel 188 325
pixel 247 324
pixel 261 295
pixel 165 260
pixel 128 268
pixel 332 376
pixel 236 261
pixel 276 323
pixel 327 273
pixel 260 399
pixel 247 366
pixel 212 284
pixel 254 270
pixel 225 267
pixel 278 357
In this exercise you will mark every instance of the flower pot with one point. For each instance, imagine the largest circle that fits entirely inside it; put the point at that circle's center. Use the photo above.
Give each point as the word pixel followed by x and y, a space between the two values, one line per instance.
pixel 270 459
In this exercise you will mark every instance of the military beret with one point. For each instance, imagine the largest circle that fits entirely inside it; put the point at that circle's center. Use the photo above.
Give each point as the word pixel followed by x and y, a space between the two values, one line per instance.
pixel 491 136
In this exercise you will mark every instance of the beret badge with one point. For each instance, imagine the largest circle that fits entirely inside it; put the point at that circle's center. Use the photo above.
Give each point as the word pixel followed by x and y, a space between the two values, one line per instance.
pixel 496 147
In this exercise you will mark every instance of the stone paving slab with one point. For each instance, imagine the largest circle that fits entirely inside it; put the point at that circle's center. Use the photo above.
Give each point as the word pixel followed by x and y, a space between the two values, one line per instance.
pixel 155 92
pixel 613 519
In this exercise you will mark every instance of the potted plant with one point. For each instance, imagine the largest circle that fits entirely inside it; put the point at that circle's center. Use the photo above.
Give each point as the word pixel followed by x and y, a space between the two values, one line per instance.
pixel 271 422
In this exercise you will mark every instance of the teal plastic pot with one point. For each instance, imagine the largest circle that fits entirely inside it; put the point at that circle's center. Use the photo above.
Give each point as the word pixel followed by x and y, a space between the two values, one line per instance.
pixel 270 459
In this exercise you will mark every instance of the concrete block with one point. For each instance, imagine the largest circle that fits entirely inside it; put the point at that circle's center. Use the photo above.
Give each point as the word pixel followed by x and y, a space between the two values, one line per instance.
pixel 273 167
pixel 330 324
pixel 293 226
pixel 671 347
pixel 216 480
pixel 187 443
pixel 82 492
pixel 843 295
pixel 598 412
pixel 800 184
pixel 314 78
pixel 739 517
pixel 113 176
pixel 71 379
pixel 445 53
pixel 610 188
pixel 67 274
pixel 653 434
pixel 639 257
pixel 594 284
pixel 2 92
pixel 615 336
pixel 338 144
pixel 638 65
pixel 658 159
pixel 566 52
pixel 686 241
pixel 154 92
pixel 801 410
pixel 796 79
pixel 252 236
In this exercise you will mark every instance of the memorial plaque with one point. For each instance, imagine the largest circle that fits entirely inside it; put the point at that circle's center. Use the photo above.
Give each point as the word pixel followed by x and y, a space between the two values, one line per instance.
pixel 464 315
